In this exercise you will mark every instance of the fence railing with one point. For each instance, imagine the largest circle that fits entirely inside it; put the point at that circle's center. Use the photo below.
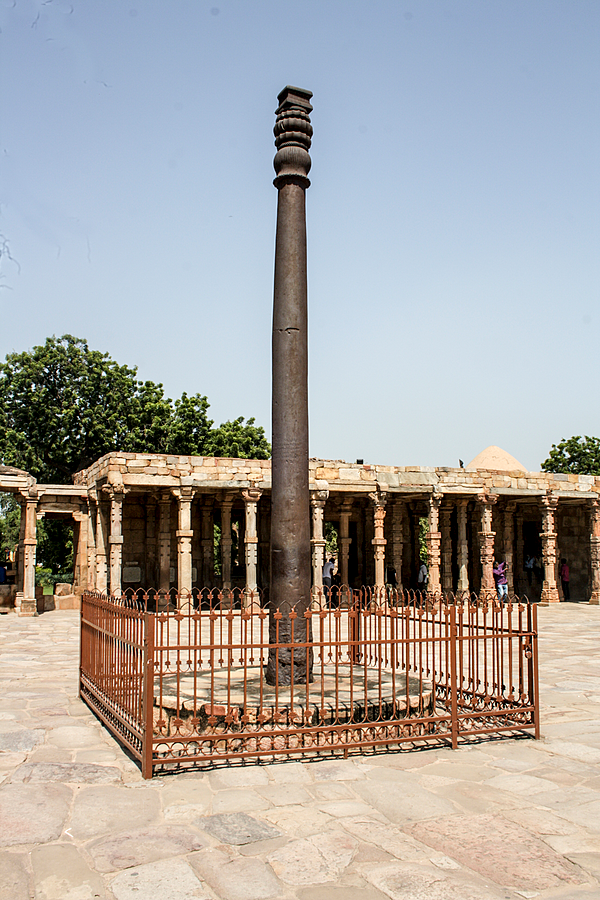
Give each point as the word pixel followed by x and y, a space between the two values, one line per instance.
pixel 180 680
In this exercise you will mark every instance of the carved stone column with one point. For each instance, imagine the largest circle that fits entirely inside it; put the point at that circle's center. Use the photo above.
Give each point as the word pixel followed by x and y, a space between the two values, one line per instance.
pixel 101 541
pixel 379 542
pixel 151 569
pixel 446 512
pixel 197 545
pixel 226 542
pixel 26 603
pixel 91 549
pixel 595 551
pixel 434 539
pixel 519 574
pixel 184 495
pixel 548 536
pixel 463 547
pixel 164 542
pixel 509 540
pixel 80 568
pixel 486 543
pixel 115 538
pixel 251 498
pixel 20 557
pixel 398 514
pixel 344 539
pixel 318 500
pixel 290 516
pixel 208 544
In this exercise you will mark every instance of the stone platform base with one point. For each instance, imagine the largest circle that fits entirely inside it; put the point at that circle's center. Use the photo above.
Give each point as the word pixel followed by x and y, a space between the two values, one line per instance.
pixel 66 601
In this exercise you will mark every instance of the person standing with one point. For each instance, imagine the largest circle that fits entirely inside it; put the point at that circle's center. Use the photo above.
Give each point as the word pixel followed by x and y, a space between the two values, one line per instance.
pixel 327 576
pixel 501 580
pixel 565 578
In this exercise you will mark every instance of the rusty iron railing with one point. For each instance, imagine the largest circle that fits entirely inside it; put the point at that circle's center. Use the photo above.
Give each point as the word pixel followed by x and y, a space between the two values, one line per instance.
pixel 180 679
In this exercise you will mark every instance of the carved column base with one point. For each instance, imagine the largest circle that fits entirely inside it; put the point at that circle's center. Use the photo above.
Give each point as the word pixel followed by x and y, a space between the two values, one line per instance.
pixel 595 598
pixel 549 595
pixel 25 606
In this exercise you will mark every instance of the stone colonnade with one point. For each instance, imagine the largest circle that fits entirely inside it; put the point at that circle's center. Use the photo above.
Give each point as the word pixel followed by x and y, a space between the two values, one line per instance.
pixel 461 546
pixel 451 554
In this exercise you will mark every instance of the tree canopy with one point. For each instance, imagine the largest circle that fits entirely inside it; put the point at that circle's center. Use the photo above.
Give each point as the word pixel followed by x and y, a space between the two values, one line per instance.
pixel 580 456
pixel 63 405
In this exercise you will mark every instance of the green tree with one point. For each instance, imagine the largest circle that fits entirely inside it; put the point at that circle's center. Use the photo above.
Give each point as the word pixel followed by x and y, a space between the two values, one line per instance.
pixel 239 440
pixel 62 406
pixel 580 456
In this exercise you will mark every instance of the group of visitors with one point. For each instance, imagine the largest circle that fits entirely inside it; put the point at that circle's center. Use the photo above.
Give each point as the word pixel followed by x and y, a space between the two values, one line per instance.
pixel 332 579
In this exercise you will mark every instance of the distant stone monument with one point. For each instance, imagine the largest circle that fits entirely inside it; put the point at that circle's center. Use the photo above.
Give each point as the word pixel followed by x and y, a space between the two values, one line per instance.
pixel 290 502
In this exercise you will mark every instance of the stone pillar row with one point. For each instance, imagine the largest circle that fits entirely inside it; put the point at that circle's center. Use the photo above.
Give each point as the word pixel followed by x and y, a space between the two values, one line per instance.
pixel 99 542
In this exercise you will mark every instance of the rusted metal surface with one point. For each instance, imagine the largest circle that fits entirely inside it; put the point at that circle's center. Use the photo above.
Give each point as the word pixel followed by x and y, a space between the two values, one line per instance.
pixel 185 684
pixel 290 511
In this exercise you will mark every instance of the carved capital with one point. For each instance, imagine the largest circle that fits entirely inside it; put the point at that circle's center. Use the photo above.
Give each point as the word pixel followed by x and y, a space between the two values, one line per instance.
pixel 185 493
pixel 252 495
pixel 378 499
pixel 115 491
pixel 293 134
pixel 549 501
pixel 487 499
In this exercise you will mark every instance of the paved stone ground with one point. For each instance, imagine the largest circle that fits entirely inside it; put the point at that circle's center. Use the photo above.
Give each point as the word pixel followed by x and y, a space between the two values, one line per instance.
pixel 497 820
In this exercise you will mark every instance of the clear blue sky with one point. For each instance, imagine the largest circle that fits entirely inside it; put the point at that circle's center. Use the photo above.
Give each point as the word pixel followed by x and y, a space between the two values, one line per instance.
pixel 453 218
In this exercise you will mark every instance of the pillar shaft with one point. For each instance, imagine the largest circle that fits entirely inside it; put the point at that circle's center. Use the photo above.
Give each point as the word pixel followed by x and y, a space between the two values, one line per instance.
pixel 509 540
pixel 519 574
pixel 116 540
pixel 317 505
pixel 548 536
pixel 80 579
pixel 290 513
pixel 91 550
pixel 164 539
pixel 595 552
pixel 251 499
pixel 208 544
pixel 184 496
pixel 345 540
pixel 379 542
pixel 434 540
pixel 226 542
pixel 151 569
pixel 463 548
pixel 27 605
pixel 101 537
pixel 486 543
pixel 398 540
pixel 446 513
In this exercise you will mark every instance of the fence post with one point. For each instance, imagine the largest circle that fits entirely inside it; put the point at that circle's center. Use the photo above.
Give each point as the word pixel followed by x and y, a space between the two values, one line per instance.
pixel 533 667
pixel 148 696
pixel 453 676
pixel 80 644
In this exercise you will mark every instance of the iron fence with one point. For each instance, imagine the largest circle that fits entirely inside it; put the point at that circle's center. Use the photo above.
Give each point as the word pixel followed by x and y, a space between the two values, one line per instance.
pixel 180 680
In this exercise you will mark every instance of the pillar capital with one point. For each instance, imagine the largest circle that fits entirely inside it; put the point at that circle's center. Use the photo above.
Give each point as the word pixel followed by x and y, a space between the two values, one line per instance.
pixel 378 499
pixel 252 495
pixel 184 493
pixel 115 491
pixel 435 499
pixel 549 501
pixel 293 134
pixel 318 499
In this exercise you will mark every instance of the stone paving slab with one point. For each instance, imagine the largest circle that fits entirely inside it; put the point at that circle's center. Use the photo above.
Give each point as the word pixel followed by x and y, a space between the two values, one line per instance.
pixel 501 819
